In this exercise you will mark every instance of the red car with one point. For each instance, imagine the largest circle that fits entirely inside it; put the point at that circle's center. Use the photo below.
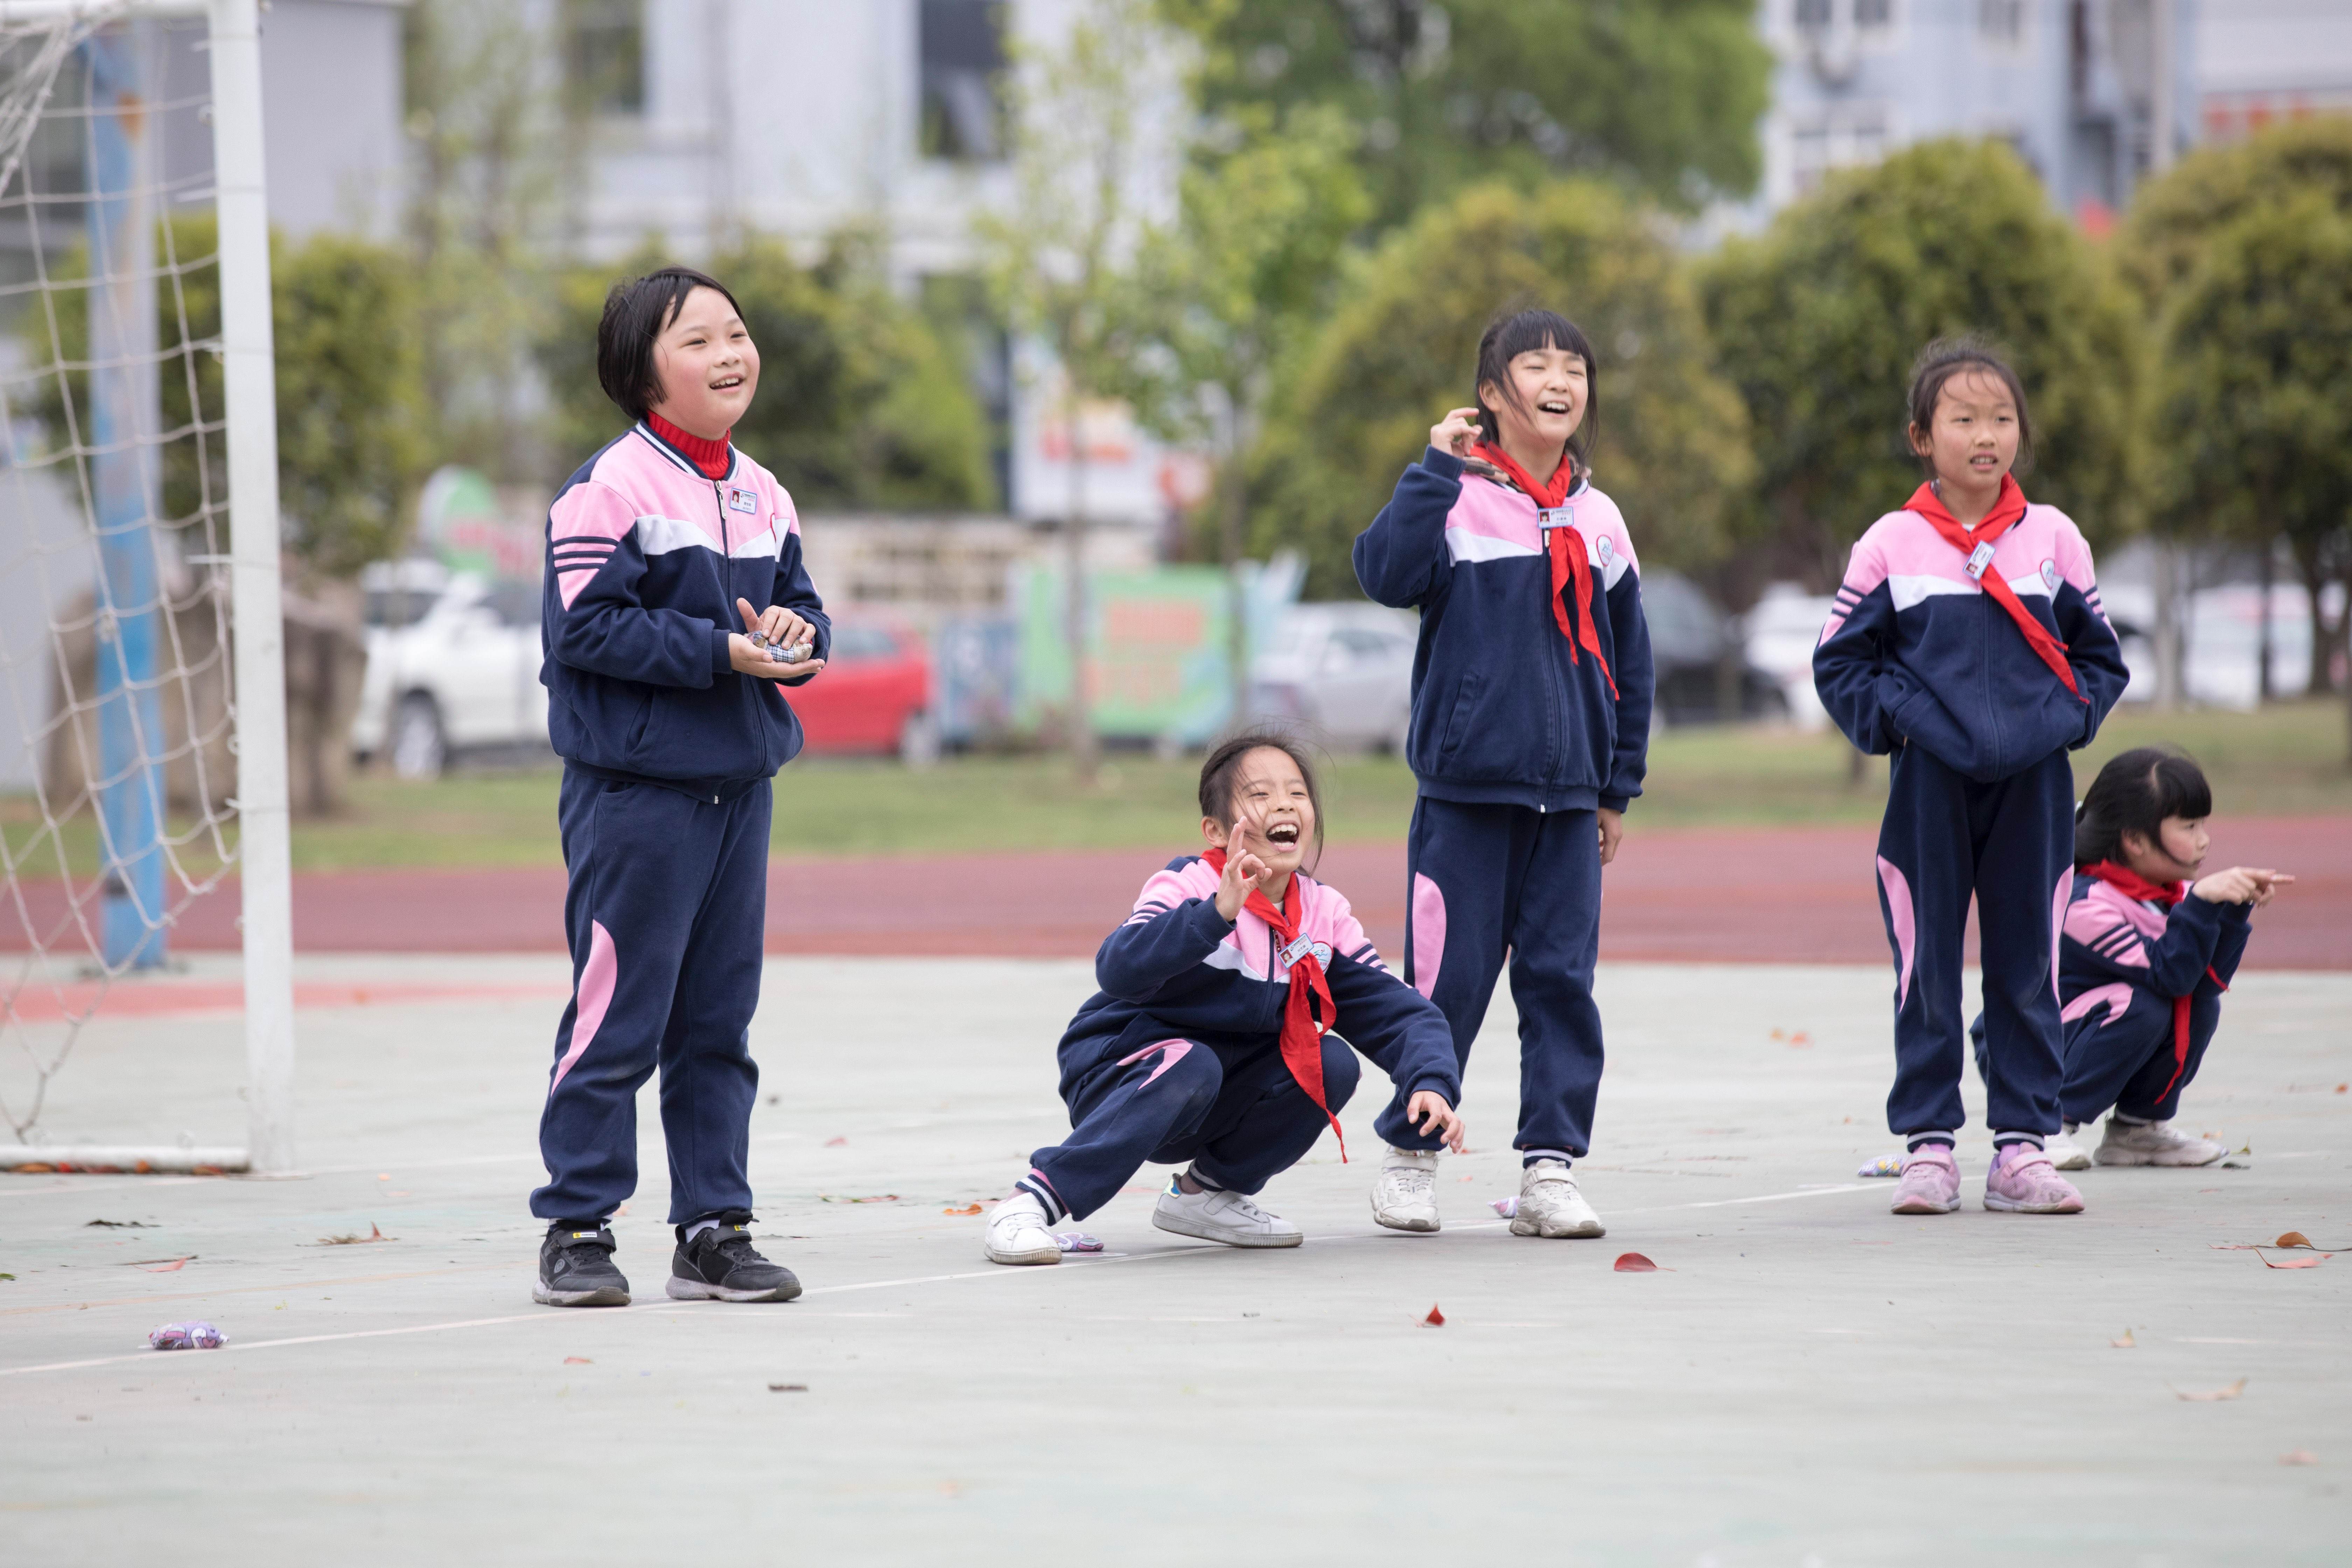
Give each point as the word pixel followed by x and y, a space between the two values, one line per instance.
pixel 873 695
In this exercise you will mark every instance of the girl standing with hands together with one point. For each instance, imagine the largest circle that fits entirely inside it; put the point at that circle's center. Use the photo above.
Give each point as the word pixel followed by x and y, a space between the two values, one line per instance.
pixel 1531 693
pixel 1968 640
pixel 675 611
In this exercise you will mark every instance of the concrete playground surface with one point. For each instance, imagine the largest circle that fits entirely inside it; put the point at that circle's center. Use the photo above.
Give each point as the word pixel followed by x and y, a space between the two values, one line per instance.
pixel 1805 1380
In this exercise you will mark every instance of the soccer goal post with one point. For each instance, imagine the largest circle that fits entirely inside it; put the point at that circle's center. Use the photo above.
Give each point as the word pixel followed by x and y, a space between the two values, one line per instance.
pixel 142 630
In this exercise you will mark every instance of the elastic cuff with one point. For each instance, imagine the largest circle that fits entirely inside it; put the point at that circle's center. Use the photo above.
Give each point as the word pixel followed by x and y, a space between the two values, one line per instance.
pixel 721 658
pixel 1038 1187
pixel 2131 1120
pixel 2005 1139
pixel 1915 1142
pixel 1616 802
pixel 1529 1156
pixel 1445 465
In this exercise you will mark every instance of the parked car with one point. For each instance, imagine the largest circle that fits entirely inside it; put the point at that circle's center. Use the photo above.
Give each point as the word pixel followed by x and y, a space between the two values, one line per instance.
pixel 453 668
pixel 1344 670
pixel 1689 638
pixel 1783 631
pixel 873 695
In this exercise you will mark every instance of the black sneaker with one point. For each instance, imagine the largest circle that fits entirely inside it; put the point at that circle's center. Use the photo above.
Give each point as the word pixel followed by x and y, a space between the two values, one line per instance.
pixel 721 1264
pixel 575 1270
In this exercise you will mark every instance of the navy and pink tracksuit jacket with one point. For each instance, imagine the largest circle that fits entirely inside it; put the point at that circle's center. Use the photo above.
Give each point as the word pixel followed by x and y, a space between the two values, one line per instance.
pixel 665 811
pixel 2120 963
pixel 1919 661
pixel 1178 1058
pixel 1518 736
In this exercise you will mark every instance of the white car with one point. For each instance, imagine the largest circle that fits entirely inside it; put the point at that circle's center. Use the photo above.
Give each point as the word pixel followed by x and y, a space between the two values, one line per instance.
pixel 453 667
pixel 1344 670
pixel 1783 631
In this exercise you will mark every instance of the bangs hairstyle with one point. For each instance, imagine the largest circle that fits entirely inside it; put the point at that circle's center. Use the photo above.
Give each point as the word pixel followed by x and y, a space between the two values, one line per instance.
pixel 2135 793
pixel 1938 362
pixel 1510 336
pixel 636 312
pixel 1220 776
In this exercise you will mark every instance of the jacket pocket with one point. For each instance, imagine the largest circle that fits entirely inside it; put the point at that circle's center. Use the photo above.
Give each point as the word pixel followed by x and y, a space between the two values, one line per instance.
pixel 645 735
pixel 1459 720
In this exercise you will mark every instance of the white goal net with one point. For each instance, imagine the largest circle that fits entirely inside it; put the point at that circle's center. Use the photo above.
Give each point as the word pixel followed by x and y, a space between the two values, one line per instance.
pixel 142 728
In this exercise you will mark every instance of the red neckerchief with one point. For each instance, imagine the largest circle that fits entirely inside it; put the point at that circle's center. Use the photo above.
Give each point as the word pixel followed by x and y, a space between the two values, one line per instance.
pixel 1568 563
pixel 1308 1010
pixel 1976 548
pixel 2132 885
pixel 712 458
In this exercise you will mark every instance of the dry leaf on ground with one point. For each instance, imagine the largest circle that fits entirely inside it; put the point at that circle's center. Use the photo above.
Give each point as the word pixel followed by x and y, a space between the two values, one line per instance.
pixel 2298 1456
pixel 968 1209
pixel 1633 1263
pixel 577 1361
pixel 2126 1343
pixel 1436 1319
pixel 2232 1392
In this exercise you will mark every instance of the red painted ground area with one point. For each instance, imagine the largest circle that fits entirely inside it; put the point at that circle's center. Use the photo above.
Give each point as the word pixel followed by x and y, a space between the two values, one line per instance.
pixel 1791 896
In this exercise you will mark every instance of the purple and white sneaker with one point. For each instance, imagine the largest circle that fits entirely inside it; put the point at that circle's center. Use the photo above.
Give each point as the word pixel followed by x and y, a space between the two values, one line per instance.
pixel 2024 1181
pixel 1931 1182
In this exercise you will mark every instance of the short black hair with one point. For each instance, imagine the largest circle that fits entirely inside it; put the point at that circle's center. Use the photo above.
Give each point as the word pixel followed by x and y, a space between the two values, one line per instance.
pixel 1523 331
pixel 1224 761
pixel 1937 363
pixel 636 312
pixel 2135 793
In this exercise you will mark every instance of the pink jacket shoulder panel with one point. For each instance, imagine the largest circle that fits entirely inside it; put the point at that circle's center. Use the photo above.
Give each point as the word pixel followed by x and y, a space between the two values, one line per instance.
pixel 1496 522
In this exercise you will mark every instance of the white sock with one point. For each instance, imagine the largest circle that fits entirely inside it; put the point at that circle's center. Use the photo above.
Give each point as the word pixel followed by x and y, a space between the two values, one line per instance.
pixel 697 1227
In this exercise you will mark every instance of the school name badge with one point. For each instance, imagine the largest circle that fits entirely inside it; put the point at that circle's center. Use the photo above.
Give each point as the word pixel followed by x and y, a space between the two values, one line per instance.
pixel 741 499
pixel 1550 517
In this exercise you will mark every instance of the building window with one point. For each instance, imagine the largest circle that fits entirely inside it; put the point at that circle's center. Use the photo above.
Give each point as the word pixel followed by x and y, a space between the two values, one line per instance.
pixel 963 79
pixel 1869 13
pixel 1867 16
pixel 1852 135
pixel 2002 21
pixel 605 55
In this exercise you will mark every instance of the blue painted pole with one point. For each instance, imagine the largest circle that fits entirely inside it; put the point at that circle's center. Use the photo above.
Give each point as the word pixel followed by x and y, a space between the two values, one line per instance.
pixel 124 420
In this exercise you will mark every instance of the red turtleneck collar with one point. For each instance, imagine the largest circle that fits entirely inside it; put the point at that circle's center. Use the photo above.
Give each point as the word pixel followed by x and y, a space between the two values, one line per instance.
pixel 713 458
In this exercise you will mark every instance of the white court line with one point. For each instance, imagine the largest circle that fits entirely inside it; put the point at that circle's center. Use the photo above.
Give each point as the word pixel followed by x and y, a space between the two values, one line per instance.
pixel 998 1272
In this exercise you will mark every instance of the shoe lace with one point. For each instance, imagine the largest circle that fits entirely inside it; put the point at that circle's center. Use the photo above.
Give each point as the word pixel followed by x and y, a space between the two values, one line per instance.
pixel 1247 1210
pixel 1413 1181
pixel 575 1256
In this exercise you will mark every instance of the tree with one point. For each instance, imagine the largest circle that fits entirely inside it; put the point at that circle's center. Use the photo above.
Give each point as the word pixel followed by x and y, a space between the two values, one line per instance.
pixel 860 406
pixel 1661 96
pixel 1228 290
pixel 2254 408
pixel 1818 321
pixel 2186 252
pixel 1058 255
pixel 1399 349
pixel 351 423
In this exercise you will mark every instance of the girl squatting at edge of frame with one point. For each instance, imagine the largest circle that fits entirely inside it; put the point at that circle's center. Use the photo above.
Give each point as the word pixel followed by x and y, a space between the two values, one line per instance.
pixel 2147 948
pixel 1531 695
pixel 1967 641
pixel 1231 999
pixel 671 722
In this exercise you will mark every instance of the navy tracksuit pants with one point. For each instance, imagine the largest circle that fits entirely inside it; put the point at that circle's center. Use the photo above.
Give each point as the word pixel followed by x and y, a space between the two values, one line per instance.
pixel 1485 880
pixel 665 913
pixel 1238 1116
pixel 2126 1064
pixel 2010 846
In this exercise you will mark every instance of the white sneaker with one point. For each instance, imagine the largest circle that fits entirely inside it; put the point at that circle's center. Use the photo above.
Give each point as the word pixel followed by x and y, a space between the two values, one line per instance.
pixel 2065 1153
pixel 1229 1218
pixel 1405 1197
pixel 1017 1233
pixel 1550 1203
pixel 2154 1143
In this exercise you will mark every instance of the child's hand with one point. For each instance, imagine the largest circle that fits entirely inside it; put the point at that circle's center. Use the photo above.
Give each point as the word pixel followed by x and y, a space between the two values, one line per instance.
pixel 1456 432
pixel 1241 871
pixel 777 628
pixel 1613 833
pixel 2240 885
pixel 1428 1112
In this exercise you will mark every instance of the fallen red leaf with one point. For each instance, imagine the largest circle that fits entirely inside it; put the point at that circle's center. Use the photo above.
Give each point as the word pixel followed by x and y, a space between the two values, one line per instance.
pixel 1633 1263
pixel 2314 1261
pixel 2298 1456
pixel 177 1263
pixel 835 1142
pixel 577 1361
pixel 2232 1392
pixel 968 1209
pixel 1436 1319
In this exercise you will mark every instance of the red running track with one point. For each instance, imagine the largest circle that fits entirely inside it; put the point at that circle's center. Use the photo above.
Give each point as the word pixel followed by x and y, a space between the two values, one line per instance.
pixel 1781 895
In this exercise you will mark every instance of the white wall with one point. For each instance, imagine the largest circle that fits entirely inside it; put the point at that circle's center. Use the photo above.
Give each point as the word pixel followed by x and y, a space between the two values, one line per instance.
pixel 330 109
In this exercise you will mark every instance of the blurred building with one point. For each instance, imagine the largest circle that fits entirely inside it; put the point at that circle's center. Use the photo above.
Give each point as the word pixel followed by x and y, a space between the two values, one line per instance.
pixel 2079 88
pixel 2261 61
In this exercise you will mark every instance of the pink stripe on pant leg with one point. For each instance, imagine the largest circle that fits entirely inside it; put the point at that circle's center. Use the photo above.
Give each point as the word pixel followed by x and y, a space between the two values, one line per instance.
pixel 595 995
pixel 1176 1052
pixel 2058 902
pixel 1902 923
pixel 1428 932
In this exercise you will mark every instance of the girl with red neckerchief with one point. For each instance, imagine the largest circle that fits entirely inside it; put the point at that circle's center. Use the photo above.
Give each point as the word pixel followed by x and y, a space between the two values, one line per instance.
pixel 2149 946
pixel 1531 693
pixel 1967 641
